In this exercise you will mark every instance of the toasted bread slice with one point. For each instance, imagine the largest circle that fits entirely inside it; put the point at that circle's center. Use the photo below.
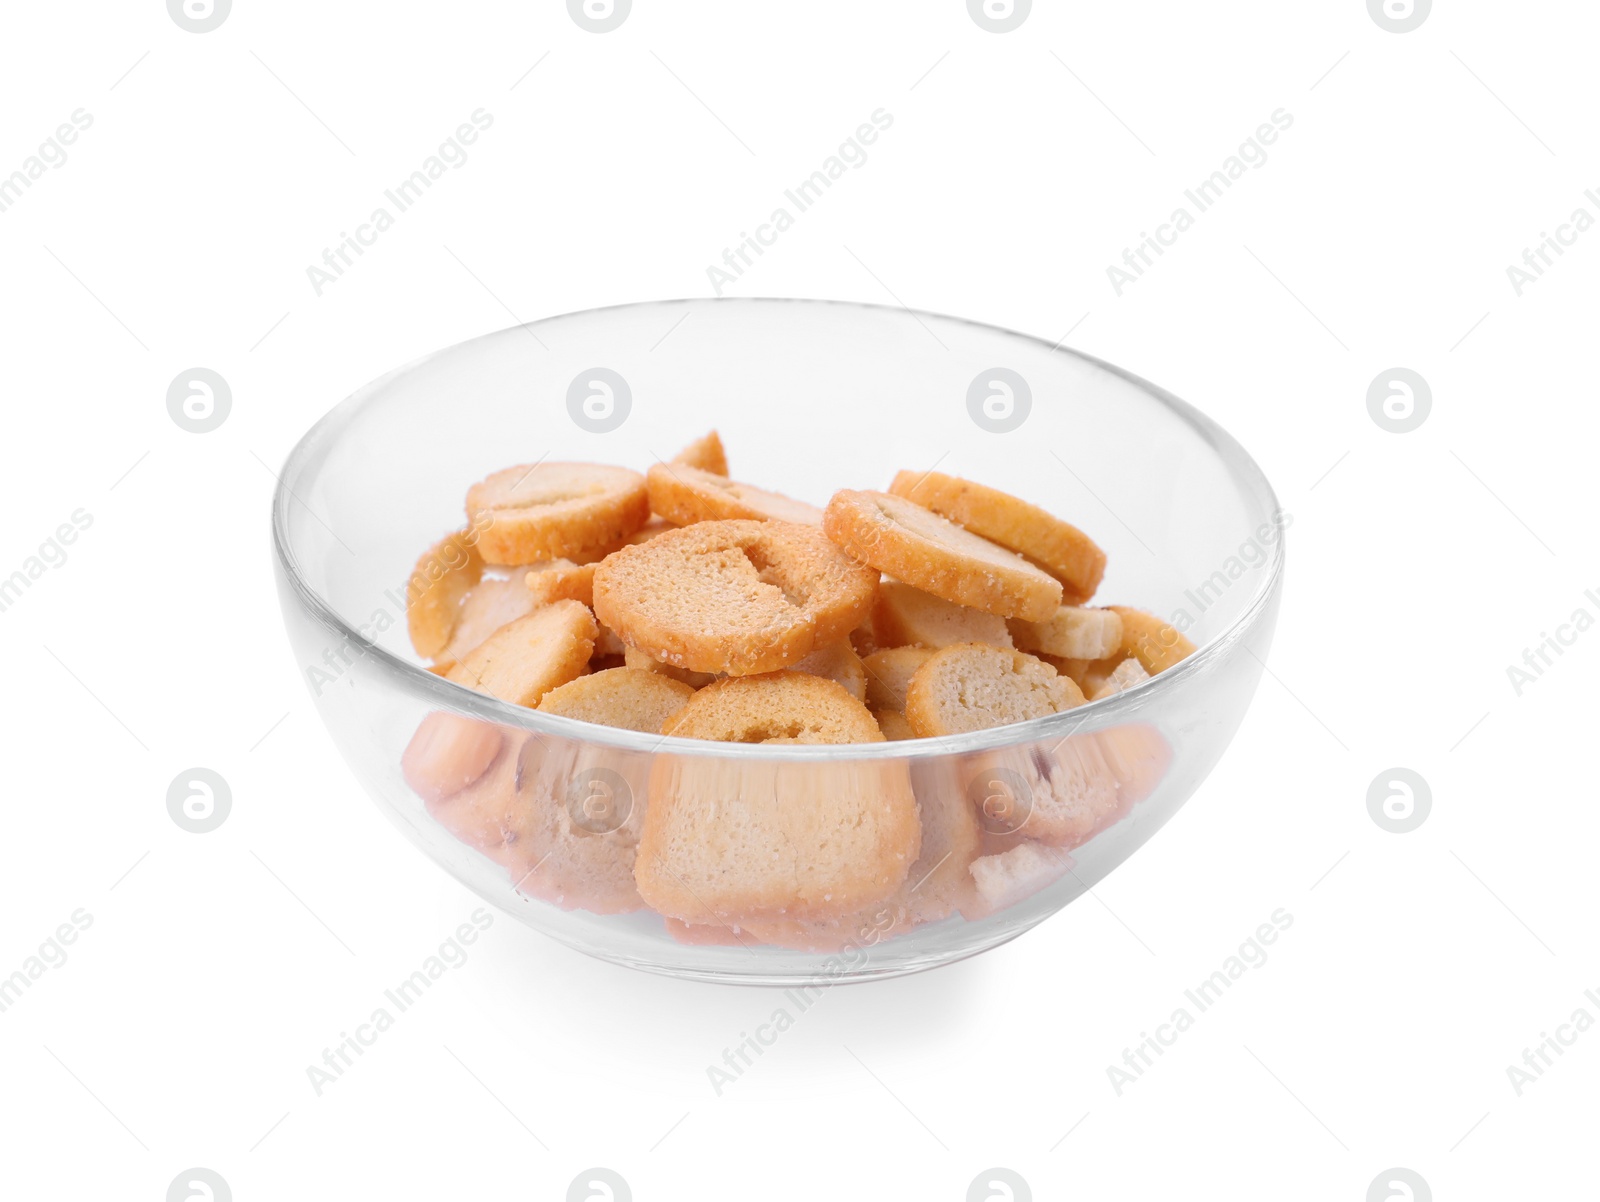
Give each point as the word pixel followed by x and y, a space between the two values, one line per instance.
pixel 705 453
pixel 903 616
pixel 1003 880
pixel 839 663
pixel 634 658
pixel 1071 632
pixel 444 575
pixel 1059 793
pixel 776 707
pixel 562 818
pixel 918 546
pixel 1124 676
pixel 525 659
pixel 448 753
pixel 560 580
pixel 580 810
pixel 1063 550
pixel 685 495
pixel 937 885
pixel 741 597
pixel 542 511
pixel 1154 643
pixel 889 673
pixel 623 697
pixel 970 686
pixel 729 840
pixel 489 606
pixel 894 726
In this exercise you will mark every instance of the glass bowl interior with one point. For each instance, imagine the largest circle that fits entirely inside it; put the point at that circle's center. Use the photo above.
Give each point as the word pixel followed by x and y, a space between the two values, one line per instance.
pixel 809 397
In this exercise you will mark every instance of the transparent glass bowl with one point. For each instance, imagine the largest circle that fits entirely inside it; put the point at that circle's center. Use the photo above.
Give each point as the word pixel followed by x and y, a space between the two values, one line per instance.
pixel 810 397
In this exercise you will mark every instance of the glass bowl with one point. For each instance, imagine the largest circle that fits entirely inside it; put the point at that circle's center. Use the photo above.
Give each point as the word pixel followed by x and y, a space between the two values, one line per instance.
pixel 809 397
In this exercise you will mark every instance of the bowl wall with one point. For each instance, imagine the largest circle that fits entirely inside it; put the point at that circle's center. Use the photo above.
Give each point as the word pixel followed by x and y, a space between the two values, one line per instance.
pixel 809 397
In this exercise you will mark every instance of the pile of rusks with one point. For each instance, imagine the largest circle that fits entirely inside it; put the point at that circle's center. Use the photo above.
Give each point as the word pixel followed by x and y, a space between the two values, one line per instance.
pixel 682 603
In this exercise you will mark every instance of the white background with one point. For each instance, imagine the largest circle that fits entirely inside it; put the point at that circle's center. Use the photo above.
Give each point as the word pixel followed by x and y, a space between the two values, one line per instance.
pixel 218 967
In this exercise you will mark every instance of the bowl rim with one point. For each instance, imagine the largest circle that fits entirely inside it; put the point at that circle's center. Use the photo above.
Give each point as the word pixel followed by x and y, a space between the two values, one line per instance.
pixel 1123 707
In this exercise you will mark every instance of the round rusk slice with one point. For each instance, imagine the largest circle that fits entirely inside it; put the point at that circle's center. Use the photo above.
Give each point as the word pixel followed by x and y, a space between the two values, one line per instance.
pixel 705 453
pixel 924 550
pixel 555 510
pixel 1157 645
pixel 840 664
pixel 1061 549
pixel 777 707
pixel 629 698
pixel 684 494
pixel 525 659
pixel 739 597
pixel 447 572
pixel 889 672
pixel 1071 632
pixel 972 686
